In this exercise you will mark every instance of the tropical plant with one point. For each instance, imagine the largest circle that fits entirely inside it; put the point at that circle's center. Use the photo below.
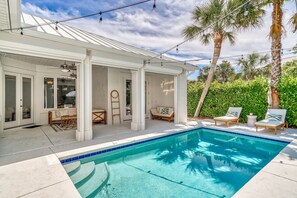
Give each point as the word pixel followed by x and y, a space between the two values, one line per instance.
pixel 290 69
pixel 217 21
pixel 293 19
pixel 251 65
pixel 202 76
pixel 276 31
pixel 224 72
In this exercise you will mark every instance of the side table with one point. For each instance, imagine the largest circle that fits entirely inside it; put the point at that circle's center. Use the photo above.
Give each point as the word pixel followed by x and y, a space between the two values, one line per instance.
pixel 251 120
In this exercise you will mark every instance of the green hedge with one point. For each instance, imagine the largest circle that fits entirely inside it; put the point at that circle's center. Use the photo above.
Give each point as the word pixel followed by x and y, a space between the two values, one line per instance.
pixel 288 98
pixel 250 95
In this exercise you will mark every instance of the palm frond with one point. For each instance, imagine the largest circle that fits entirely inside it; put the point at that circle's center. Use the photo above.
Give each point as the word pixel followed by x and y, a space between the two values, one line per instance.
pixel 293 21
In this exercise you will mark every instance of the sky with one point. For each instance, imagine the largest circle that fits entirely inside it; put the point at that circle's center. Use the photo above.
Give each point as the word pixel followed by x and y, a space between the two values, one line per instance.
pixel 159 29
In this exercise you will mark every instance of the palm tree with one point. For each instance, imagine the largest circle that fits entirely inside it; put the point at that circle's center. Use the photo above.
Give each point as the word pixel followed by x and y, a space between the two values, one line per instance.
pixel 215 14
pixel 202 76
pixel 293 19
pixel 224 72
pixel 275 34
pixel 250 65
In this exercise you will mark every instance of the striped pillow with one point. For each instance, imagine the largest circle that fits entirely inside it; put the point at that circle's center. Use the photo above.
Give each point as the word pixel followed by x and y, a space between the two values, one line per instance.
pixel 231 114
pixel 274 117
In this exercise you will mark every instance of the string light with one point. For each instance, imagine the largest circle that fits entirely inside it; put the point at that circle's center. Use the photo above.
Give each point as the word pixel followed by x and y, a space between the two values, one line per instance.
pixel 57 25
pixel 177 49
pixel 80 17
pixel 206 28
pixel 100 20
pixel 154 6
pixel 224 57
pixel 22 31
pixel 161 64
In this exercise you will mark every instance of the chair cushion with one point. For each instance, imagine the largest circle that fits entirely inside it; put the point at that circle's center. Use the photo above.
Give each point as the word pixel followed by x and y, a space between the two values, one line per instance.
pixel 269 123
pixel 225 118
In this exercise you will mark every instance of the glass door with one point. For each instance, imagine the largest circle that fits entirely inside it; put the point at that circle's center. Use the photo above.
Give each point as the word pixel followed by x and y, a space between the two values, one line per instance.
pixel 128 99
pixel 26 100
pixel 18 100
pixel 10 100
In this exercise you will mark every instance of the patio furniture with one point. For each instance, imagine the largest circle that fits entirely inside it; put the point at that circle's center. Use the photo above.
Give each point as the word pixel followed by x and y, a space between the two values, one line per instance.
pixel 68 121
pixel 274 118
pixel 55 116
pixel 99 116
pixel 232 115
pixel 162 112
pixel 251 120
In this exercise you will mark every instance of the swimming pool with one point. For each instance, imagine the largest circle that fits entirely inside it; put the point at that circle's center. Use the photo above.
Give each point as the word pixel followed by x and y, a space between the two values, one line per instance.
pixel 198 163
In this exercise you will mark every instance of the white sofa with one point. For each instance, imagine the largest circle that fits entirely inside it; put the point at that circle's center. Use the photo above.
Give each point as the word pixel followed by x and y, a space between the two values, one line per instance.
pixel 162 112
pixel 55 116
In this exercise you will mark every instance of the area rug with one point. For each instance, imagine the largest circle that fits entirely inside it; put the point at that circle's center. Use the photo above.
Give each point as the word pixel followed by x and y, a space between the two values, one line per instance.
pixel 59 128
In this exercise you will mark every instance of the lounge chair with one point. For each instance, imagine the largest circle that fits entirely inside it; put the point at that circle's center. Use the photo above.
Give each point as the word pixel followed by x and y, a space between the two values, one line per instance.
pixel 232 115
pixel 274 118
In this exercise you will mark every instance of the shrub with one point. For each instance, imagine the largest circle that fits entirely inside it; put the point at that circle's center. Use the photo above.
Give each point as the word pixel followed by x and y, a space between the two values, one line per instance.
pixel 288 98
pixel 251 96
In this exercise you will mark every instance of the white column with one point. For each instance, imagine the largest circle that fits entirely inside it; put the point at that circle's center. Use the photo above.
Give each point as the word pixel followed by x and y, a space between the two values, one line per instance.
pixel 88 106
pixel 180 98
pixel 80 102
pixel 84 99
pixel 1 98
pixel 138 99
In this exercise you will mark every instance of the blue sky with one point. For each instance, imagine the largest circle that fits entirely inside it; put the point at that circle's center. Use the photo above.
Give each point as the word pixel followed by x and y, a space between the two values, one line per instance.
pixel 157 29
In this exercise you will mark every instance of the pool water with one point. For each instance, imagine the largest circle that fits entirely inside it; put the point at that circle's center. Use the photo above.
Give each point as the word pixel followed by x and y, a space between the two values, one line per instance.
pixel 200 163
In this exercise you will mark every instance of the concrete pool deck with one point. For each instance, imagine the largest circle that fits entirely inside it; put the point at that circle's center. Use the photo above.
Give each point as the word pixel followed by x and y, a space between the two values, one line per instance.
pixel 30 166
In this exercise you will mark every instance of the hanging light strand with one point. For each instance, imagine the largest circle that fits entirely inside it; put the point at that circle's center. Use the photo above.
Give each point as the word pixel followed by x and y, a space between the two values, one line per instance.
pixel 206 28
pixel 81 17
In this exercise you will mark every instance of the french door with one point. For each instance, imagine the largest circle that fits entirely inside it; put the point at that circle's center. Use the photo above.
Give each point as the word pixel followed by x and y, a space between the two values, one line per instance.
pixel 18 99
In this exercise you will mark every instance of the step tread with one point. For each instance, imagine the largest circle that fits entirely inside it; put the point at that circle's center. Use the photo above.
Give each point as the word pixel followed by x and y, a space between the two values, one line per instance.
pixel 71 167
pixel 84 171
pixel 96 181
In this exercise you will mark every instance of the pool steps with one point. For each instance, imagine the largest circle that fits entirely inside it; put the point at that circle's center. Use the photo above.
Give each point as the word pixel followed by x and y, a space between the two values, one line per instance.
pixel 89 178
pixel 72 168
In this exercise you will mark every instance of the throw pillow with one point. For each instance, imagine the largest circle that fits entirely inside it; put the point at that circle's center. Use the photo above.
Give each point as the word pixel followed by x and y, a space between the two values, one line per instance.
pixel 274 117
pixel 231 114
pixel 165 110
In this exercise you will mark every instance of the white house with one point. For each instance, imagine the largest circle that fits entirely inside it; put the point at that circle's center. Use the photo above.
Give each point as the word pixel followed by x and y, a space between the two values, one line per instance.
pixel 32 82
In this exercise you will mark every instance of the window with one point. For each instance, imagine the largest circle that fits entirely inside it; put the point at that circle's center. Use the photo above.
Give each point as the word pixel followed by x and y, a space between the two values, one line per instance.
pixel 66 93
pixel 48 93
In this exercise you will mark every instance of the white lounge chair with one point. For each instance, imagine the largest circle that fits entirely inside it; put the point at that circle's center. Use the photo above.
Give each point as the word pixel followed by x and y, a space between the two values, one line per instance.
pixel 231 116
pixel 274 118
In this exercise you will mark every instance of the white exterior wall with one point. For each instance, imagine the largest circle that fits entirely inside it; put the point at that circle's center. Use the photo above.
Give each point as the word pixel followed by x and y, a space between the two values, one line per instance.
pixel 161 90
pixel 1 98
pixel 116 78
pixel 100 88
pixel 180 98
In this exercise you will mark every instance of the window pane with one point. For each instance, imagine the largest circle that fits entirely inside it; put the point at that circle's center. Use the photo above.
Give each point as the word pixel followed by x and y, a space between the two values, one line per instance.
pixel 66 93
pixel 128 97
pixel 48 93
pixel 10 98
pixel 26 98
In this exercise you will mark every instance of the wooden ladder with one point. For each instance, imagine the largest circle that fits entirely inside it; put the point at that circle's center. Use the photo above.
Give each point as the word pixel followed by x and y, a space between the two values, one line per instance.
pixel 115 105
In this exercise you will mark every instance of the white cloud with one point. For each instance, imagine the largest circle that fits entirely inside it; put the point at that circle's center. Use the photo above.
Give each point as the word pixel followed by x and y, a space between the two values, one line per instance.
pixel 161 29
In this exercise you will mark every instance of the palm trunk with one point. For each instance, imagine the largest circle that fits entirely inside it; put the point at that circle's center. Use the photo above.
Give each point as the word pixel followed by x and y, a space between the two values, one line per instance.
pixel 276 45
pixel 216 54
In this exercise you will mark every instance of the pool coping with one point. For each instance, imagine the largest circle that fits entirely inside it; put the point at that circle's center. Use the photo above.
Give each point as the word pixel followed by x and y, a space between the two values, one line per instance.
pixel 245 190
pixel 86 154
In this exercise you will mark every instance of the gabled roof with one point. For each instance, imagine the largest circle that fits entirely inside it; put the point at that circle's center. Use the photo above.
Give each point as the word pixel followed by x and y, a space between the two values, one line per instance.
pixel 68 32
